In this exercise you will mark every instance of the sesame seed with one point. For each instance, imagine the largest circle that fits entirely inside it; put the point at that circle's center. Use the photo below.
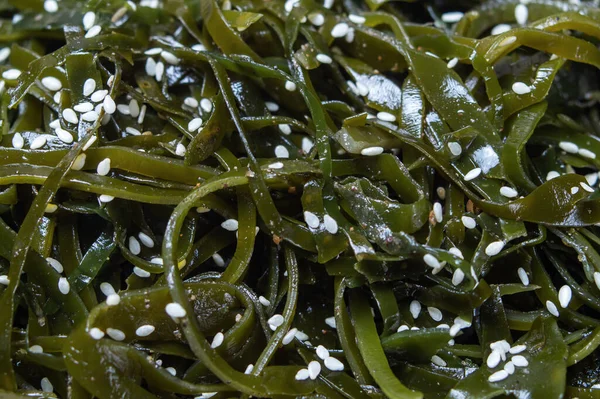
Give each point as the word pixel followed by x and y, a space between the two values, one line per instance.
pixel 238 317
pixel 472 174
pixel 56 265
pixel 333 364
pixel 103 167
pixel 324 59
pixel 574 190
pixel 509 367
pixel 17 141
pixel 494 248
pixel 275 321
pixel 508 192
pixel 170 58
pixel 363 89
pixel 431 261
pixel 552 175
pixel 191 102
pixel 452 63
pixel 150 67
pixel 552 308
pixel 11 74
pixel 36 349
pixel 51 83
pixel 217 340
pixel 96 333
pixel 307 144
pixel 289 336
pixel 63 286
pixel 517 349
pixel 591 178
pixel 456 252
pixel 403 327
pixel 290 86
pixel 175 310
pixel 415 309
pixel 4 54
pixel 171 370
pixel 452 17
pixel 493 359
pixel 45 384
pixel 507 41
pixel 134 246
pixel 140 272
pixel 4 280
pixel 500 29
pixel 133 131
pixel 281 152
pixel 569 147
pixel 523 276
pixel 301 336
pixel 160 69
pixel 63 135
pixel 386 116
pixel 83 107
pixel 314 369
pixel 70 116
pixel 51 208
pixel 109 105
pixel 271 106
pixel 113 299
pixel 38 142
pixel 521 88
pixel 264 301
pixel 455 148
pixel 98 95
pixel 435 313
pixel 564 296
pixel 371 151
pixel 276 165
pixel 79 162
pixel 206 105
pixel 328 3
pixel 93 31
pixel 146 240
pixel 311 219
pixel 218 259
pixel 586 153
pixel 330 321
pixel 322 352
pixel 519 361
pixel 107 289
pixel 142 114
pixel 51 6
pixel 316 19
pixel 521 14
pixel 302 375
pixel 437 212
pixel 498 376
pixel 91 116
pixel 249 368
pixel 285 128
pixel 115 334
pixel 89 19
pixel 330 224
pixel 340 30
pixel 145 330
pixel 438 361
pixel 157 261
pixel 457 277
pixel 586 187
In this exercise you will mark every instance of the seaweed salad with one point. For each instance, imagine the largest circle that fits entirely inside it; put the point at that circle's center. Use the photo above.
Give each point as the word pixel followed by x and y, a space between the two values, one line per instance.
pixel 314 199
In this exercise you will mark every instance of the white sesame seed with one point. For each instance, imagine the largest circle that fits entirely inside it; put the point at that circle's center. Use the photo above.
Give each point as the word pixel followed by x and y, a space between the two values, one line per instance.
pixel 455 148
pixel 493 359
pixel 386 116
pixel 415 309
pixel 51 6
pixel 500 29
pixel 574 190
pixel 414 329
pixel 363 89
pixel 140 272
pixel 98 95
pixel 314 369
pixel 217 340
pixel 107 289
pixel 435 313
pixel 328 3
pixel 275 165
pixel 79 162
pixel 109 105
pixel 63 286
pixel 523 276
pixel 115 334
pixel 175 310
pixel 324 59
pixel 45 384
pixel 171 370
pixel 96 333
pixel 271 106
pixel 51 208
pixel 552 175
pixel 301 336
pixel 322 352
pixel 51 83
pixel 238 317
pixel 519 361
pixel 456 252
pixel 93 31
pixel 507 41
pixel 316 19
pixel 191 102
pixel 552 308
pixel 104 198
pixel 472 174
pixel 218 259
pixel 508 192
pixel 289 336
pixel 290 86
pixel 340 30
pixel 431 261
pixel 83 107
pixel 38 142
pixel 307 144
pixel 150 67
pixel 70 116
pixel 452 17
pixel 584 152
pixel 330 224
pixel 157 261
pixel 509 367
pixel 103 167
pixel 457 277
pixel 56 265
pixel 403 327
pixel 250 367
pixel 160 70
pixel 113 299
pixel 494 248
pixel 170 58
pixel 142 114
pixel 597 279
pixel 311 219
pixel 206 105
pixel 4 280
pixel 281 152
pixel 498 376
pixel 438 361
pixel 564 296
pixel 285 128
pixel 521 88
pixel 452 63
pixel 90 116
pixel 36 349
pixel 17 141
pixel 357 19
pixel 371 151
pixel 89 19
pixel 275 321
pixel 302 375
pixel 4 54
pixel 521 14
pixel 569 147
pixel 591 178
pixel 134 246
pixel 146 240
pixel 133 131
pixel 63 135
pixel 264 301
pixel 517 349
pixel 11 74
pixel 333 364
pixel 437 212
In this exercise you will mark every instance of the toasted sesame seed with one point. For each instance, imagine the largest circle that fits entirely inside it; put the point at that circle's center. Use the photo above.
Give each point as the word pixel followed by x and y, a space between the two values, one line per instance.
pixel 435 313
pixel 584 152
pixel 93 31
pixel 51 83
pixel 113 299
pixel 218 259
pixel 109 105
pixel 564 296
pixel 103 167
pixel 311 219
pixel 264 301
pixel 38 142
pixel 509 367
pixel 79 162
pixel 472 174
pixel 45 383
pixel 452 63
pixel 217 340
pixel 63 286
pixel 314 369
pixel 386 116
pixel 145 330
pixel 340 30
pixel 289 336
pixel 523 276
pixel 457 277
pixel 330 224
pixel 324 59
pixel 508 192
pixel 521 88
pixel 330 321
pixel 415 308
pixel 70 116
pixel 302 375
pixel 521 14
pixel 89 19
pixel 175 310
pixel 569 147
pixel 115 334
pixel 290 86
pixel 437 212
pixel 285 128
pixel 56 265
pixel 500 29
pixel 498 376
pixel 322 352
pixel 17 141
pixel 552 308
pixel 371 151
pixel 519 361
pixel 517 349
pixel 140 272
pixel 574 190
pixel 494 248
pixel 170 58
